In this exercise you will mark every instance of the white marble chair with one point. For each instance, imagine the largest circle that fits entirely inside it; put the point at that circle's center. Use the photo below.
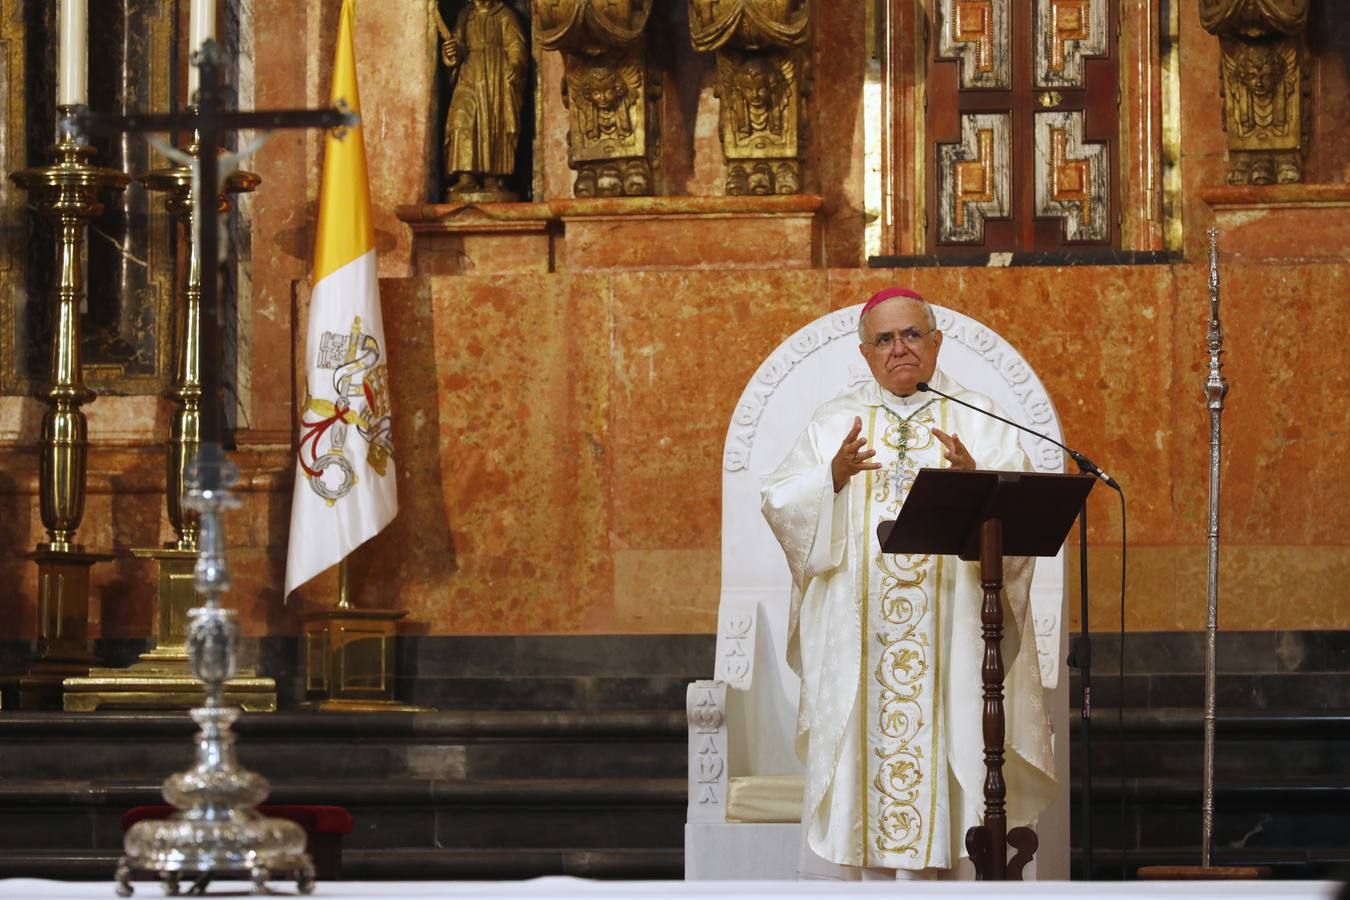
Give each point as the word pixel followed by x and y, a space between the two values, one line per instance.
pixel 745 782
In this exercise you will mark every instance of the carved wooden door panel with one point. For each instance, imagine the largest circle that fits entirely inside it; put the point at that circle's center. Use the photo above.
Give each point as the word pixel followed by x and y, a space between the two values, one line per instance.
pixel 1021 111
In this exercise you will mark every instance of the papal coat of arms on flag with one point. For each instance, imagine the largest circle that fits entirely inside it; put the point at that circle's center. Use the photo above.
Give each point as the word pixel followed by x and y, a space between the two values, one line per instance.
pixel 360 384
pixel 345 483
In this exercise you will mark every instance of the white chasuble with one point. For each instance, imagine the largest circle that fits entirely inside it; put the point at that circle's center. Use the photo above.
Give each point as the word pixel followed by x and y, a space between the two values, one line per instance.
pixel 888 647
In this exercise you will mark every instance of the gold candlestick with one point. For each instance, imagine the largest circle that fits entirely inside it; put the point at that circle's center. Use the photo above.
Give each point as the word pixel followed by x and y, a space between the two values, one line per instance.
pixel 66 194
pixel 162 679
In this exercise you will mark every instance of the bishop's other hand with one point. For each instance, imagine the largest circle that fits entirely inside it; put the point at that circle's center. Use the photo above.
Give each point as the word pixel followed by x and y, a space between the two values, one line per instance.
pixel 851 458
pixel 954 451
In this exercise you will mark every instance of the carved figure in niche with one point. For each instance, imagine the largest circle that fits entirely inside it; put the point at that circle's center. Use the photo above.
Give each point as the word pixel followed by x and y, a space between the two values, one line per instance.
pixel 488 58
pixel 759 99
pixel 610 90
pixel 762 78
pixel 604 101
pixel 1264 86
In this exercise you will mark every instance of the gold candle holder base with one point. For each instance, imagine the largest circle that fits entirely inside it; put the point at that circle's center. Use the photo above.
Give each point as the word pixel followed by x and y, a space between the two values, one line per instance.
pixel 349 661
pixel 62 647
pixel 163 678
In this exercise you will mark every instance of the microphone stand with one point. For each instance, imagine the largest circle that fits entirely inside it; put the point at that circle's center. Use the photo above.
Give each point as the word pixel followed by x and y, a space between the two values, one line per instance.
pixel 1080 649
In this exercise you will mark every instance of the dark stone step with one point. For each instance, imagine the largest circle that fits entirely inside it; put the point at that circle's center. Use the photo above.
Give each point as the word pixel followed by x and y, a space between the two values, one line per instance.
pixel 539 743
pixel 512 864
pixel 1240 793
pixel 398 864
pixel 606 813
pixel 1229 723
pixel 540 693
pixel 1315 862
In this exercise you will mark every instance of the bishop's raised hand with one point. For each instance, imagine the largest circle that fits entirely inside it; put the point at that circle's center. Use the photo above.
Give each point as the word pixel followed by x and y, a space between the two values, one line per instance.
pixel 851 458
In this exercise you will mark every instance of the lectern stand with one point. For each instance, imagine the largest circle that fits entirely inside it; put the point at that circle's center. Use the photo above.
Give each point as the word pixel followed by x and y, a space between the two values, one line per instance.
pixel 981 515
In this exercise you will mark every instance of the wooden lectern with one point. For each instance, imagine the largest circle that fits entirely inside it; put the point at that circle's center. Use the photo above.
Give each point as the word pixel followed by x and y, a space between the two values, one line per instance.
pixel 981 515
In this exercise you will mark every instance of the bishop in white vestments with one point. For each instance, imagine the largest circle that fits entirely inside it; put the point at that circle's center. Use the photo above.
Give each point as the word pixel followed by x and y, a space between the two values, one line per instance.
pixel 888 647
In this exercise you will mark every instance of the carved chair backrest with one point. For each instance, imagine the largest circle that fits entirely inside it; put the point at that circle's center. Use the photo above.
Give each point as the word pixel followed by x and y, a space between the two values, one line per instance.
pixel 817 363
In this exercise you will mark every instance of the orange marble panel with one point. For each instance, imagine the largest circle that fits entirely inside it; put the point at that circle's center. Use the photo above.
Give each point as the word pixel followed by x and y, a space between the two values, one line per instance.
pixel 487 239
pixel 1285 330
pixel 501 420
pixel 689 233
pixel 685 345
pixel 282 210
pixel 1204 147
pixel 1282 223
pixel 834 166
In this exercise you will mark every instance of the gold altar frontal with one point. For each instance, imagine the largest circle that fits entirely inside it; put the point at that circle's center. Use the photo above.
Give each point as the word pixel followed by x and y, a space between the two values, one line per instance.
pixel 349 660
pixel 163 679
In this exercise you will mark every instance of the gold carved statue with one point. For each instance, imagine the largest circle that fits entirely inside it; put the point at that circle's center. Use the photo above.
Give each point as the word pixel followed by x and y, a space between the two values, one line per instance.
pixel 1264 86
pixel 611 90
pixel 762 80
pixel 488 59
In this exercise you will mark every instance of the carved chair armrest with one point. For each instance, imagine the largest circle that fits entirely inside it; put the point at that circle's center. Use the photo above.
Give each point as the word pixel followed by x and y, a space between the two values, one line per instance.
pixel 706 708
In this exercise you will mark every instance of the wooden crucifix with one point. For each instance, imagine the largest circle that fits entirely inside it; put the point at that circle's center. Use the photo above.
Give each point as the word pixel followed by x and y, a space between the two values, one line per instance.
pixel 212 121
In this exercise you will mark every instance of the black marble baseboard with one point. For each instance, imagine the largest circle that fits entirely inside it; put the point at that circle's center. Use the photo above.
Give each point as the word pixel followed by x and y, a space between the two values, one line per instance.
pixel 546 672
pixel 1254 669
pixel 1088 256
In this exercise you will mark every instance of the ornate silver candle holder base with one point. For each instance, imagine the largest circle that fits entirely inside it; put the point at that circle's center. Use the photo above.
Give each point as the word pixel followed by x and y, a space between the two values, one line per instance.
pixel 216 833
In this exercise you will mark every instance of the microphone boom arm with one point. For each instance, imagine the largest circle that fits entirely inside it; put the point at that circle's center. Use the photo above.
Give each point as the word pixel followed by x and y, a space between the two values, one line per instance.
pixel 1085 465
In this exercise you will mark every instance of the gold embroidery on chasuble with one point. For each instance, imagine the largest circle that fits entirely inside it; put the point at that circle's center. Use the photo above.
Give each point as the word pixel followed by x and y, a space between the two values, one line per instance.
pixel 902 761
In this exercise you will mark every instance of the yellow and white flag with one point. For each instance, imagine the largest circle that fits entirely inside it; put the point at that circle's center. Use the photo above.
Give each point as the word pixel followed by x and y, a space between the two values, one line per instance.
pixel 345 486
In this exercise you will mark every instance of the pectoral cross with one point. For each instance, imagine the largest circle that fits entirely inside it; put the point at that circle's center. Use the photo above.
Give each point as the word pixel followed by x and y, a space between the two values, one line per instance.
pixel 212 121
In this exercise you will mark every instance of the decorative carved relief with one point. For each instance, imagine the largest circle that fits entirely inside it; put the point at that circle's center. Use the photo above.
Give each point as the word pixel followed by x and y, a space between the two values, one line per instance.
pixel 1264 84
pixel 763 77
pixel 976 33
pixel 1071 177
pixel 706 713
pixel 973 178
pixel 611 88
pixel 735 645
pixel 1067 31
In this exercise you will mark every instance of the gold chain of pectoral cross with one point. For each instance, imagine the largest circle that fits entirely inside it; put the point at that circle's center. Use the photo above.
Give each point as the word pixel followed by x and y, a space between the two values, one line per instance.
pixel 905 425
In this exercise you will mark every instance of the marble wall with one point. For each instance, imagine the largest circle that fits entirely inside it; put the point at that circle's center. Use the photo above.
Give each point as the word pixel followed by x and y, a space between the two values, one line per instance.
pixel 560 432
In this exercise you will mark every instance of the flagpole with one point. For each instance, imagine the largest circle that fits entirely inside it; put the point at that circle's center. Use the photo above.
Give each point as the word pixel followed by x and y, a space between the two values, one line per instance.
pixel 344 597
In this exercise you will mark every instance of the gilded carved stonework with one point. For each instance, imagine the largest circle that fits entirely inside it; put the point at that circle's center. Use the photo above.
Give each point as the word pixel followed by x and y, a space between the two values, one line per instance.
pixel 973 178
pixel 1067 31
pixel 1072 177
pixel 1264 83
pixel 976 32
pixel 763 77
pixel 611 88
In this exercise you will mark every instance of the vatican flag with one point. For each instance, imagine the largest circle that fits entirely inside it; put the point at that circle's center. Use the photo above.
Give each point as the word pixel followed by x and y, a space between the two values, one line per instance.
pixel 345 486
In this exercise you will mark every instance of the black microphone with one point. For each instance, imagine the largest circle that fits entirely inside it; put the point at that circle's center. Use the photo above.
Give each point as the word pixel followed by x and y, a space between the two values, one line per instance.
pixel 1084 464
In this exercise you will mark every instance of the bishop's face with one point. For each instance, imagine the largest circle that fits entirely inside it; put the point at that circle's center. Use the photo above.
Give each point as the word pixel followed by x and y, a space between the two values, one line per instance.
pixel 899 347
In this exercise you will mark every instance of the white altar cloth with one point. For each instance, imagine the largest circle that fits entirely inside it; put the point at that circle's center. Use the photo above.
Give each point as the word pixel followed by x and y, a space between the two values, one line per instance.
pixel 557 888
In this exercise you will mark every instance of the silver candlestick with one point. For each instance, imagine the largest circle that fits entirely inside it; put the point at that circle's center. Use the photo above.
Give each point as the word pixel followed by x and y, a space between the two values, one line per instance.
pixel 1216 388
pixel 216 831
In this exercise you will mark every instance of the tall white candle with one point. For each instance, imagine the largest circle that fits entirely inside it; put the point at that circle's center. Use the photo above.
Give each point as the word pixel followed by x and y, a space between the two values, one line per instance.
pixel 72 72
pixel 201 26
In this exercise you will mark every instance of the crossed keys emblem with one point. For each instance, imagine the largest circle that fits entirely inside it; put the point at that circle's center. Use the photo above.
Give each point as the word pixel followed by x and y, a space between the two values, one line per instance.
pixel 361 389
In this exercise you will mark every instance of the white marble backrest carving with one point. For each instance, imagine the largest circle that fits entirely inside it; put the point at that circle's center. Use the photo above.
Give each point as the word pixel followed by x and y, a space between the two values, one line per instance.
pixel 819 362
